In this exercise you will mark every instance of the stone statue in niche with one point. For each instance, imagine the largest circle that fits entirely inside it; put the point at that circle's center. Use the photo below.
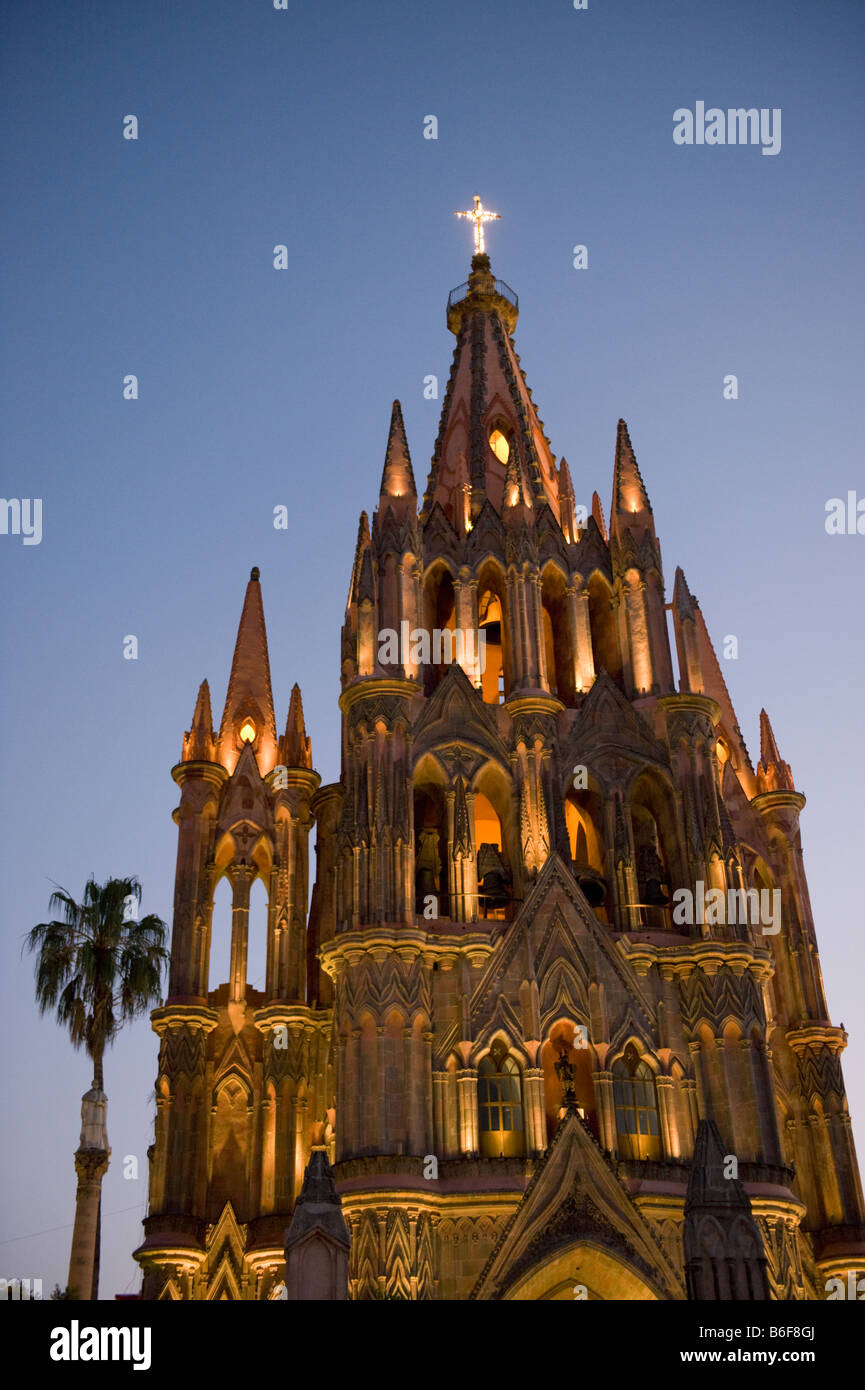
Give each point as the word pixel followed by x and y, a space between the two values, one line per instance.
pixel 427 865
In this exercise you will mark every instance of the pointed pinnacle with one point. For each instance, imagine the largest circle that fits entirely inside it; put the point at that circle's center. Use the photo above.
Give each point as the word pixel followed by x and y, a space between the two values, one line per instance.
pixel 462 829
pixel 566 487
pixel 397 479
pixel 768 746
pixel 198 742
pixel 202 718
pixel 296 749
pixel 360 550
pixel 598 514
pixel 683 599
pixel 773 774
pixel 629 491
pixel 250 669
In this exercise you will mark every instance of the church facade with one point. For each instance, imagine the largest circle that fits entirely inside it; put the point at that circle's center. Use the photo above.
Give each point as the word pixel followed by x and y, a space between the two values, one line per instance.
pixel 554 1020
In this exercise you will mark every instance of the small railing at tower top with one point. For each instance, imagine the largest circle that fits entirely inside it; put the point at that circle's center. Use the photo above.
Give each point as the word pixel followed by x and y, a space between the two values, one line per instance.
pixel 501 288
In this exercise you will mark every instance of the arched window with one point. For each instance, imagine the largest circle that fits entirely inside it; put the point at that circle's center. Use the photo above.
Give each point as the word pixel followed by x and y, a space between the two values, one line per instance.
pixel 557 640
pixel 494 889
pixel 439 615
pixel 500 446
pixel 602 622
pixel 490 624
pixel 654 833
pixel 431 843
pixel 500 1105
pixel 637 1131
pixel 583 815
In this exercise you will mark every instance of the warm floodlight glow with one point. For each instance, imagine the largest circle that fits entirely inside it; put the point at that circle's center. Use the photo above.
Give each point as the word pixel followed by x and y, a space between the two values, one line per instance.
pixel 500 446
pixel 247 733
pixel 478 215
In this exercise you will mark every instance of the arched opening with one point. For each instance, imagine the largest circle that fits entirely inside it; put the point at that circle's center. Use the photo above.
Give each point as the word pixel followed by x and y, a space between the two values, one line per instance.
pixel 256 945
pixel 430 851
pixel 500 1104
pixel 439 608
pixel 654 830
pixel 584 819
pixel 638 1134
pixel 219 963
pixel 566 1059
pixel 557 635
pixel 491 625
pixel 494 892
pixel 499 444
pixel 495 820
pixel 602 622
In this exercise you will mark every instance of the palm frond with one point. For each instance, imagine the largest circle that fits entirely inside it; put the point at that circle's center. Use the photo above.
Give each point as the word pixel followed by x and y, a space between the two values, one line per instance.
pixel 95 968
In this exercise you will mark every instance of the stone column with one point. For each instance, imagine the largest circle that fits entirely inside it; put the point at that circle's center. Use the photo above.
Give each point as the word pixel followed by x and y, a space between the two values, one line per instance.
pixel 440 1134
pixel 91 1165
pixel 585 656
pixel 542 679
pixel 606 1109
pixel 638 631
pixel 536 1115
pixel 240 876
pixel 467 1093
pixel 664 1089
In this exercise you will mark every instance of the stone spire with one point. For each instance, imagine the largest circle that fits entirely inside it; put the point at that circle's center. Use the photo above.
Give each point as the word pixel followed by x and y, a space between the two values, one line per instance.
pixel 462 831
pixel 488 415
pixel 566 503
pixel 685 609
pixel 724 1256
pixel 773 774
pixel 598 514
pixel 295 749
pixel 198 742
pixel 317 1242
pixel 631 508
pixel 249 698
pixel 360 549
pixel 398 489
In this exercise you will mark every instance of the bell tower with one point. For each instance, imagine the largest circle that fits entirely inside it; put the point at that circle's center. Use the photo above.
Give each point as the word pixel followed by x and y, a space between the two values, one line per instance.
pixel 527 792
pixel 558 986
pixel 242 1088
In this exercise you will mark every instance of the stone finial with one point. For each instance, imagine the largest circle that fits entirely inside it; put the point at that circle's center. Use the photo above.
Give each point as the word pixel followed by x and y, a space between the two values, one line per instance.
pixel 317 1242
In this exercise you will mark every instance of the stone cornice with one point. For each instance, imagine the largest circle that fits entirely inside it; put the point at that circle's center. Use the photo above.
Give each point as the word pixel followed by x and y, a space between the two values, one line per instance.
pixel 209 772
pixel 370 687
pixel 809 1035
pixel 709 956
pixel 688 702
pixel 773 801
pixel 533 702
pixel 410 943
pixel 276 1014
pixel 183 1015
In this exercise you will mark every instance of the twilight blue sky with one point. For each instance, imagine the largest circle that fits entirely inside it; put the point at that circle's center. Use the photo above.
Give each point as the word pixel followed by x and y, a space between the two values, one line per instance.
pixel 260 387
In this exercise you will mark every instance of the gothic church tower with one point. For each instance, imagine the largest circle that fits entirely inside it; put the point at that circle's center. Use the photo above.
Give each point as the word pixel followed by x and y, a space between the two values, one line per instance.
pixel 244 1076
pixel 502 1026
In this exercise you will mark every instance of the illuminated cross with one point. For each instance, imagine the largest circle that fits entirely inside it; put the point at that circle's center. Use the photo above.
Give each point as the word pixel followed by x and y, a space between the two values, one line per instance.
pixel 479 215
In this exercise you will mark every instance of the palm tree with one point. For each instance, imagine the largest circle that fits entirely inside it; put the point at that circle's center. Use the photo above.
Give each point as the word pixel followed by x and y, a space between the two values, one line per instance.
pixel 97 967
